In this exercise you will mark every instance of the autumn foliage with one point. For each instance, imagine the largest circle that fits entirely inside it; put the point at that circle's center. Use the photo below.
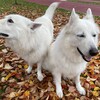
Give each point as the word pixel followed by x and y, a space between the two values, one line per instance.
pixel 16 84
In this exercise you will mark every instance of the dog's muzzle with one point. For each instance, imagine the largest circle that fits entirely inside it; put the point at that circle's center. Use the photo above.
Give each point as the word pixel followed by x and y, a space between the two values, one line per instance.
pixel 4 35
pixel 92 53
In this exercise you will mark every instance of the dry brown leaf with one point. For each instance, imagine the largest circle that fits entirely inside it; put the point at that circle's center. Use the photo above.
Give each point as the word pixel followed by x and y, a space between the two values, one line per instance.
pixel 72 89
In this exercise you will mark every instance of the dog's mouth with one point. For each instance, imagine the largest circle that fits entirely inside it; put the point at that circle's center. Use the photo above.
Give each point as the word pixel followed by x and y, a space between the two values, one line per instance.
pixel 86 58
pixel 4 35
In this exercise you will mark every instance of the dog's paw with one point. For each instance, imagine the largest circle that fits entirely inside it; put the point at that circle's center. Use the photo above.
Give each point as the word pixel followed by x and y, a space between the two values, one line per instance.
pixel 82 91
pixel 29 69
pixel 60 94
pixel 40 77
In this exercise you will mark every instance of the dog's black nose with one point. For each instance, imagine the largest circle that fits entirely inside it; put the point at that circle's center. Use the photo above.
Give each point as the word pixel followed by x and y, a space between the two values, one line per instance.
pixel 93 51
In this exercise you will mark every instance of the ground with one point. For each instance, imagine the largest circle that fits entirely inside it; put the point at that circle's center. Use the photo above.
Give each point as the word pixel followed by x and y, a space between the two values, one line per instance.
pixel 79 5
pixel 16 84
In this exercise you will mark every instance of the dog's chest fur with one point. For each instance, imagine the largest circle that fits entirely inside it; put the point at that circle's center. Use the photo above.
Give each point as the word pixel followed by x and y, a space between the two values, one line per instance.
pixel 70 70
pixel 67 63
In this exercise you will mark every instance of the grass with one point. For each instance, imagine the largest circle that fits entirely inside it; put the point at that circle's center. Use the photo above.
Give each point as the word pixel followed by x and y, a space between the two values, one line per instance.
pixel 84 2
pixel 10 7
pixel 6 5
pixel 94 3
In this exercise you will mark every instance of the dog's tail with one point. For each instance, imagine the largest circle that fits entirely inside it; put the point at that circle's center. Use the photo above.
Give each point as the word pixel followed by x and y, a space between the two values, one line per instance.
pixel 51 9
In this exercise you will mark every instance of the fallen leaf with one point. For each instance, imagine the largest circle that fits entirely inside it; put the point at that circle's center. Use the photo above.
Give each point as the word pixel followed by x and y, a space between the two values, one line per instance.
pixel 68 94
pixel 7 66
pixel 95 93
pixel 90 79
pixel 12 95
pixel 4 50
pixel 26 93
pixel 8 76
pixel 77 99
pixel 72 89
pixel 96 88
pixel 3 79
pixel 1 65
pixel 26 66
pixel 21 83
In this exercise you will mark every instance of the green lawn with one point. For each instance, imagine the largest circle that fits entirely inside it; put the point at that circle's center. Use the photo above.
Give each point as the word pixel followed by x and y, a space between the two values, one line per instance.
pixel 85 2
pixel 7 5
pixel 24 8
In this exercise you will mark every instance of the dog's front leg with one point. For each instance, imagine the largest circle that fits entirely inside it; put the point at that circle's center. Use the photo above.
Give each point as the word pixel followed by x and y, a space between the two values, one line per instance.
pixel 57 81
pixel 39 71
pixel 78 85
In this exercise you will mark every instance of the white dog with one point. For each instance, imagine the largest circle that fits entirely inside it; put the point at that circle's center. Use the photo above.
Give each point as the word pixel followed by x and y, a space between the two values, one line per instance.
pixel 29 39
pixel 73 48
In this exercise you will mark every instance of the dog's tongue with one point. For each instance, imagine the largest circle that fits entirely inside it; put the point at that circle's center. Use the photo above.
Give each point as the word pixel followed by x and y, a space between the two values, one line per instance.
pixel 88 58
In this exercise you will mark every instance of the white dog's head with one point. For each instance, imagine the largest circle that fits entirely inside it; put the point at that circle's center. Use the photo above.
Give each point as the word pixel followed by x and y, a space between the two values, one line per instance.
pixel 83 34
pixel 14 26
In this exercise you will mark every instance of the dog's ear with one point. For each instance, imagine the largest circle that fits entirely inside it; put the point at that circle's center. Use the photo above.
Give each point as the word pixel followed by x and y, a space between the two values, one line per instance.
pixel 89 15
pixel 35 25
pixel 74 17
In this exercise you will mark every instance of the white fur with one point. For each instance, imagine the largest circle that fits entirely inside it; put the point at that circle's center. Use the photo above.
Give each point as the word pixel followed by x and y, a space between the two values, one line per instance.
pixel 29 39
pixel 63 58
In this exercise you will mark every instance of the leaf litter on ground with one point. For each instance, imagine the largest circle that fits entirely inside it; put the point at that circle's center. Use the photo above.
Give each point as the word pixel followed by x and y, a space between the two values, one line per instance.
pixel 16 84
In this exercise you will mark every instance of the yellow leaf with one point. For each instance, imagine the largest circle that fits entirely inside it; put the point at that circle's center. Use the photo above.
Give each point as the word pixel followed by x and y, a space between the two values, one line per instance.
pixel 26 93
pixel 26 66
pixel 96 89
pixel 77 99
pixel 31 82
pixel 95 93
pixel 68 94
pixel 91 82
pixel 91 67
pixel 52 89
pixel 85 74
pixel 8 76
pixel 19 66
pixel 17 94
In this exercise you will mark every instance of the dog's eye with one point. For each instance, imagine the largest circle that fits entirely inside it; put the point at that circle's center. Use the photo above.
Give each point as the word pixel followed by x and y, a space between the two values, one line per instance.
pixel 10 21
pixel 94 35
pixel 82 35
